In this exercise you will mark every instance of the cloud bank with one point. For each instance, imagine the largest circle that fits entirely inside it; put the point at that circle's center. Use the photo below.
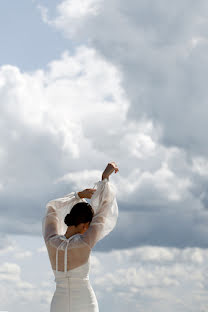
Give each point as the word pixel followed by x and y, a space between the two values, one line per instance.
pixel 61 127
pixel 136 279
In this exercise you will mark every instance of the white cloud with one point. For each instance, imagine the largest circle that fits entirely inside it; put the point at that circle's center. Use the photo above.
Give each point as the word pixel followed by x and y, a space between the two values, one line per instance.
pixel 71 13
pixel 22 255
pixel 9 271
pixel 18 293
pixel 96 266
pixel 200 166
pixel 141 277
pixel 159 276
pixel 134 92
pixel 162 54
pixel 64 124
pixel 50 119
pixel 53 101
pixel 80 178
pixel 79 8
pixel 42 249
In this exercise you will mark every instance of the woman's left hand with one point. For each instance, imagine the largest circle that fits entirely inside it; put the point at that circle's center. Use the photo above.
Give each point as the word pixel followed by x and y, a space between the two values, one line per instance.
pixel 87 193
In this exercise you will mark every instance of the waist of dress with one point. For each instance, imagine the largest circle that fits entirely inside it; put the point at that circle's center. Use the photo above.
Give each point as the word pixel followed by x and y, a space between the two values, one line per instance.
pixel 72 282
pixel 58 278
pixel 59 275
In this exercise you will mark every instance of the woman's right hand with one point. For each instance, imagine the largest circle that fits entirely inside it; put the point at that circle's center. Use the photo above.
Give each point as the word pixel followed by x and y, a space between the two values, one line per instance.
pixel 110 168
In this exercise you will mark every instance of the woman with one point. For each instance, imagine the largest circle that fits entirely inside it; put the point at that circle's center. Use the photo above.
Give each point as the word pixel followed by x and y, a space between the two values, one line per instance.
pixel 71 228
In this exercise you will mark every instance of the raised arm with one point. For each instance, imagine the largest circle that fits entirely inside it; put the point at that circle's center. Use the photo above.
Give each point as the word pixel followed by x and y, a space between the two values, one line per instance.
pixel 56 210
pixel 105 207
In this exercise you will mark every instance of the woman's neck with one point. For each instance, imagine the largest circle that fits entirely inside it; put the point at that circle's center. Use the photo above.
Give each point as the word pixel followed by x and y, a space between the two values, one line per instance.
pixel 70 231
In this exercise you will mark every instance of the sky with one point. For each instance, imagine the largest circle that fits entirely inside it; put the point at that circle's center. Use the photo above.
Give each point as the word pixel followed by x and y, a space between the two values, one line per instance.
pixel 83 83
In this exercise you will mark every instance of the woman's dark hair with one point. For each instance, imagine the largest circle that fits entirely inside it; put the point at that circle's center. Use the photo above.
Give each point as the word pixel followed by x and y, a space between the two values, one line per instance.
pixel 80 213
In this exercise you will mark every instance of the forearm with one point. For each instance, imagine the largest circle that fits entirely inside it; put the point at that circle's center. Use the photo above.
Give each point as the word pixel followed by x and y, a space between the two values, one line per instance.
pixel 104 176
pixel 62 202
pixel 85 193
pixel 111 167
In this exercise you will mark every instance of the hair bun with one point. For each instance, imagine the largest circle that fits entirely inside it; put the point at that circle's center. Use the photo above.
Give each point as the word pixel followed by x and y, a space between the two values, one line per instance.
pixel 68 220
pixel 81 212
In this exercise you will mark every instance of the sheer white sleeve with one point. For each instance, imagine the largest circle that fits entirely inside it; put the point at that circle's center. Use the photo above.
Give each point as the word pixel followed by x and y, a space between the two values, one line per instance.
pixel 56 210
pixel 105 207
pixel 53 228
pixel 104 204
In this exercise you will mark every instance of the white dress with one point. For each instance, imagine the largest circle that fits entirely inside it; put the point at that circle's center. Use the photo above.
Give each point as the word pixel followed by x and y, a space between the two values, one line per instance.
pixel 70 258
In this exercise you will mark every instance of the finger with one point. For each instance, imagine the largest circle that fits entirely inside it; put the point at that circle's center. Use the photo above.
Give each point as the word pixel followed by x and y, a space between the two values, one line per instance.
pixel 114 164
pixel 92 190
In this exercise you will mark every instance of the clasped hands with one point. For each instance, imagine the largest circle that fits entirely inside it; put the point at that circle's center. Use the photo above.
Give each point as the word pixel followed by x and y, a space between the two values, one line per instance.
pixel 110 168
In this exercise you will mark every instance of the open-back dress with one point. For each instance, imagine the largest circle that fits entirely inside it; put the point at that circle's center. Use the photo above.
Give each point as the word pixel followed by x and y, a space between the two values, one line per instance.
pixel 70 257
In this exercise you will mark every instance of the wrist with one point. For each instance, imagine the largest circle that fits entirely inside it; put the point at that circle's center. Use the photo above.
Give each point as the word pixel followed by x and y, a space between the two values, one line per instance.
pixel 79 194
pixel 105 177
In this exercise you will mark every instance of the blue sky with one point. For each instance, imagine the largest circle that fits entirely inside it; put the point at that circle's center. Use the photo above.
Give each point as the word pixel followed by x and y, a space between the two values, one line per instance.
pixel 26 41
pixel 83 83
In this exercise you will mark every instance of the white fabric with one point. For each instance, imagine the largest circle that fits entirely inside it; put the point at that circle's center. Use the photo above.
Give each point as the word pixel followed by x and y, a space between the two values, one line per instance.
pixel 70 258
pixel 74 292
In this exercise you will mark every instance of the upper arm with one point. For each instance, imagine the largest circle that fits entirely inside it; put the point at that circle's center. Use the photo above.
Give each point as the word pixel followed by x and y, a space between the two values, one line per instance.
pixel 92 235
pixel 56 209
pixel 102 223
pixel 50 224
